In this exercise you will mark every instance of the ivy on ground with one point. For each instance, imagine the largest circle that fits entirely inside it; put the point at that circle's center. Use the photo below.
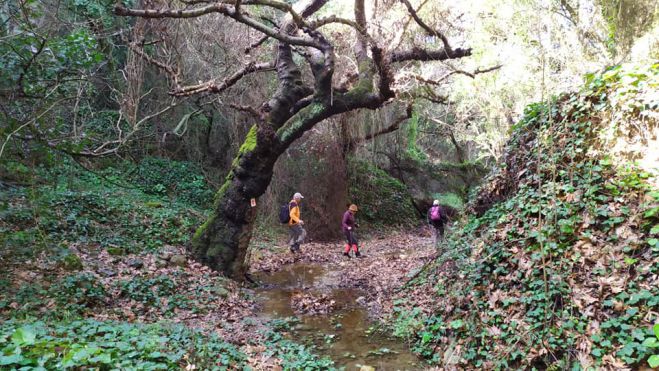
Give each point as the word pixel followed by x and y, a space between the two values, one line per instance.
pixel 561 270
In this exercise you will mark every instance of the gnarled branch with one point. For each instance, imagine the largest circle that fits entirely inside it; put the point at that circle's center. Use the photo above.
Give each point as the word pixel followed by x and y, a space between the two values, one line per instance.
pixel 419 54
pixel 221 8
pixel 213 87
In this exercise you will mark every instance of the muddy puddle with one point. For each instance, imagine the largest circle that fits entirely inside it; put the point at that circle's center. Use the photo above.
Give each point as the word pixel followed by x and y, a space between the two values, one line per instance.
pixel 343 333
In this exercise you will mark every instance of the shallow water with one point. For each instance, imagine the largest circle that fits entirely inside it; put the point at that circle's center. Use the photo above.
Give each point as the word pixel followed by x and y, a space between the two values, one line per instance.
pixel 342 334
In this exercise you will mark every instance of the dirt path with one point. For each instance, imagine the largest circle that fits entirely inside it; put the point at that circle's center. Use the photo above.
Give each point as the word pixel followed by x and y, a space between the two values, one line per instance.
pixel 388 263
pixel 338 300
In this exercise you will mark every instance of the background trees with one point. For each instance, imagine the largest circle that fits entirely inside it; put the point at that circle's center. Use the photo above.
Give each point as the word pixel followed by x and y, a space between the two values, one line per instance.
pixel 79 80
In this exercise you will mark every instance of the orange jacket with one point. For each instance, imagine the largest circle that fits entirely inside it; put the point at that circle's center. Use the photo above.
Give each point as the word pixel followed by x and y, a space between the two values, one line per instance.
pixel 294 213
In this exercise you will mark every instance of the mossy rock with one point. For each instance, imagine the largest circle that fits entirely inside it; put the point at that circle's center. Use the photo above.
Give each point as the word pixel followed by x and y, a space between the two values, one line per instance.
pixel 72 262
pixel 153 204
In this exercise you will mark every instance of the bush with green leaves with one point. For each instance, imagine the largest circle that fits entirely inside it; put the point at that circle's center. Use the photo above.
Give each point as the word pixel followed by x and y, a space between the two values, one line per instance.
pixel 652 342
pixel 180 180
pixel 70 205
pixel 148 291
pixel 94 344
pixel 78 292
pixel 294 356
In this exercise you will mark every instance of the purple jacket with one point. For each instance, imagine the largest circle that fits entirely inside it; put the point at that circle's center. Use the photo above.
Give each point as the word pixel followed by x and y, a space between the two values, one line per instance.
pixel 348 221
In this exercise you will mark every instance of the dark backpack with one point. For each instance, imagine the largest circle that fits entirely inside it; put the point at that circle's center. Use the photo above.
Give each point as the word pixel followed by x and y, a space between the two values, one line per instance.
pixel 435 214
pixel 284 214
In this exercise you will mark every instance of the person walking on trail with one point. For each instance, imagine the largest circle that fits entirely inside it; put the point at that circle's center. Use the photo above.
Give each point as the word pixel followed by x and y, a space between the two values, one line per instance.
pixel 348 226
pixel 296 232
pixel 436 220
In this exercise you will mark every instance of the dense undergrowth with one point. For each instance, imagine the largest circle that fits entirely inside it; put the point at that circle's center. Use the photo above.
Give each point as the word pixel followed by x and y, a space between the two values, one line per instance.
pixel 558 268
pixel 49 208
pixel 95 274
pixel 382 199
pixel 111 345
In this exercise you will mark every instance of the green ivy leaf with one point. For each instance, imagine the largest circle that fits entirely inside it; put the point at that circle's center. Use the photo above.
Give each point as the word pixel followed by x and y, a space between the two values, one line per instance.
pixel 653 361
pixel 456 324
pixel 24 336
pixel 14 359
pixel 651 343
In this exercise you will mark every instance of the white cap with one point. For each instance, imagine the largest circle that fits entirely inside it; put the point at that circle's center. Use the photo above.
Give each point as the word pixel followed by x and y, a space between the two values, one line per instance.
pixel 298 195
pixel 435 203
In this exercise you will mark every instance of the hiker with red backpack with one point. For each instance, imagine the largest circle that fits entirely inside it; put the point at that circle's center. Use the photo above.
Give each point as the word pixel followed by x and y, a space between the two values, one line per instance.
pixel 348 226
pixel 436 219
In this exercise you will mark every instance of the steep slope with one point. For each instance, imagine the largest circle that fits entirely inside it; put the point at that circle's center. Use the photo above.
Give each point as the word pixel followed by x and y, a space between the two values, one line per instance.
pixel 557 265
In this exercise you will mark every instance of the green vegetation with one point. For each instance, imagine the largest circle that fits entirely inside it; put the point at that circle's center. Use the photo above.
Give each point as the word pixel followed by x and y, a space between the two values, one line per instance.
pixel 65 206
pixel 112 345
pixel 413 151
pixel 450 199
pixel 558 273
pixel 294 356
pixel 63 213
pixel 181 181
pixel 381 198
pixel 117 134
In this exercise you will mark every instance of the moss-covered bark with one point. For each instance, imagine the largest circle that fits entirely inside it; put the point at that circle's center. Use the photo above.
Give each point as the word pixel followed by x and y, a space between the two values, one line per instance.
pixel 222 241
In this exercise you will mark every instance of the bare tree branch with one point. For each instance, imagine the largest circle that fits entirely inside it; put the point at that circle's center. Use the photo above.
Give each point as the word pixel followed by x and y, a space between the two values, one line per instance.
pixel 419 54
pixel 478 71
pixel 248 109
pixel 173 72
pixel 256 44
pixel 221 8
pixel 440 81
pixel 213 87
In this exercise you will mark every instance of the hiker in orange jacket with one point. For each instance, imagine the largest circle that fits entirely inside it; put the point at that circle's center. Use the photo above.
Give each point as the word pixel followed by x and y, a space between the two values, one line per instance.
pixel 296 232
pixel 348 226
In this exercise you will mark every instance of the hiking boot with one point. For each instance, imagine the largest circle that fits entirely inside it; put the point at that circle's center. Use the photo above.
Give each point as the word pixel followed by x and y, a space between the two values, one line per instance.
pixel 358 254
pixel 346 254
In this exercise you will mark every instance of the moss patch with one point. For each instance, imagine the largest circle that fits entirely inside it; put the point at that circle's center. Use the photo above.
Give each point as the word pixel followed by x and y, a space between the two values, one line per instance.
pixel 381 198
pixel 293 127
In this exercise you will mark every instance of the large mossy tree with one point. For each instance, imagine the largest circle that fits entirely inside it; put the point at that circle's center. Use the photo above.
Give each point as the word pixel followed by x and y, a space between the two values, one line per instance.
pixel 297 105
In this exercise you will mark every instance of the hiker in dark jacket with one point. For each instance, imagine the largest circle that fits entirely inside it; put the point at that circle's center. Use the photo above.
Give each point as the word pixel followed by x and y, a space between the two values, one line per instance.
pixel 348 226
pixel 436 220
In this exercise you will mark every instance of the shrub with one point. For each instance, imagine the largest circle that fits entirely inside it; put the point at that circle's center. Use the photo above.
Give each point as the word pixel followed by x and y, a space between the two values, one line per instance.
pixel 110 345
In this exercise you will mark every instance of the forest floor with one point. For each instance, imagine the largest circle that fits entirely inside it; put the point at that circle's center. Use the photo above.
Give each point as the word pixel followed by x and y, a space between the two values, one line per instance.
pixel 151 287
pixel 388 261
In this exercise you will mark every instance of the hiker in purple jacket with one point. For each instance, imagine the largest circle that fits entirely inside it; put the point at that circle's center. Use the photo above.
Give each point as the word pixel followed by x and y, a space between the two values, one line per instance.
pixel 436 220
pixel 348 226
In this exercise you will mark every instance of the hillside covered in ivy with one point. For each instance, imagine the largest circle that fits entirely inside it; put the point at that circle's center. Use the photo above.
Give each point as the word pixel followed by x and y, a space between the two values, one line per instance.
pixel 555 263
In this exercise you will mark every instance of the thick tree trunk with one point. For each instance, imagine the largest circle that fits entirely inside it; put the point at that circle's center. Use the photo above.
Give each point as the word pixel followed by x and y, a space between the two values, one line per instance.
pixel 222 242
